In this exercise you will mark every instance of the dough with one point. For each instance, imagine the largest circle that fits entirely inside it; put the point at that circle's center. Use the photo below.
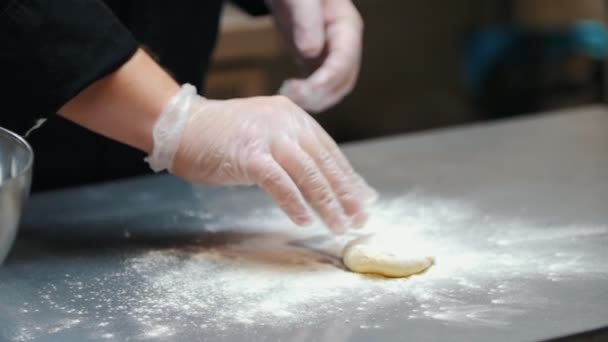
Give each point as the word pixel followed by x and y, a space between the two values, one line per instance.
pixel 386 254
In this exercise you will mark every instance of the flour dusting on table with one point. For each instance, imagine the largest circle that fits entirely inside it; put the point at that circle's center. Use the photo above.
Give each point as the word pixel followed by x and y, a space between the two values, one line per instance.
pixel 259 271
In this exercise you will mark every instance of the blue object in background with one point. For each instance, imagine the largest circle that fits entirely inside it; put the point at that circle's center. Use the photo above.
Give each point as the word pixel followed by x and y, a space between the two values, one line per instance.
pixel 487 48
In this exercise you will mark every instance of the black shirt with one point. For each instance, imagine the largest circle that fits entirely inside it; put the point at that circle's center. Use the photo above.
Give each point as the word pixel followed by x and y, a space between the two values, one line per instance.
pixel 52 50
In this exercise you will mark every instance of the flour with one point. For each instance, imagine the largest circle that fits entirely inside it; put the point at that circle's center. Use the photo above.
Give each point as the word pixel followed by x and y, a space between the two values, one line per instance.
pixel 259 271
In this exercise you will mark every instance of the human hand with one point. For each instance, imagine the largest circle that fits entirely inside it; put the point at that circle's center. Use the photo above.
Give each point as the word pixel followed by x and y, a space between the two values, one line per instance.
pixel 267 141
pixel 326 36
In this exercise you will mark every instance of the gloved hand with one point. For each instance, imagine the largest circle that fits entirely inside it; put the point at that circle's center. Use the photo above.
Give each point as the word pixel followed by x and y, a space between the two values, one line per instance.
pixel 268 141
pixel 327 39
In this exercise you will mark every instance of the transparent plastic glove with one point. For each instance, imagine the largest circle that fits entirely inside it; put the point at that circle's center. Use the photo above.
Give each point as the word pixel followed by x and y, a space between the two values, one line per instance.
pixel 267 141
pixel 327 38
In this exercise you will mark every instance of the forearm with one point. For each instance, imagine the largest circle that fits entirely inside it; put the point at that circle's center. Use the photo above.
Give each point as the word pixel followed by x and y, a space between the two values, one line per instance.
pixel 124 105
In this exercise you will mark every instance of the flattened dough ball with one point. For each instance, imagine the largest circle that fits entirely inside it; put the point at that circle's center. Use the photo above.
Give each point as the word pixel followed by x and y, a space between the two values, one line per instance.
pixel 386 255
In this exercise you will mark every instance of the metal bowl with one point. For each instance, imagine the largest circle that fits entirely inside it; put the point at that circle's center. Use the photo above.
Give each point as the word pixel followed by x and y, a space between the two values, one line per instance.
pixel 16 162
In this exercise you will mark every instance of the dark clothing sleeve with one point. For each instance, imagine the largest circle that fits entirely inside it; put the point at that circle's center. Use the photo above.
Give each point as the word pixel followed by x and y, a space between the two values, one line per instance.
pixel 180 34
pixel 253 7
pixel 52 50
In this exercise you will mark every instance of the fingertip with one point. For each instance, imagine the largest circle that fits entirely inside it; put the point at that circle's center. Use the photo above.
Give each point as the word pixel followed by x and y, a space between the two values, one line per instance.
pixel 291 88
pixel 285 88
pixel 298 214
pixel 359 220
pixel 309 47
pixel 339 223
pixel 302 94
pixel 305 221
pixel 371 195
pixel 308 27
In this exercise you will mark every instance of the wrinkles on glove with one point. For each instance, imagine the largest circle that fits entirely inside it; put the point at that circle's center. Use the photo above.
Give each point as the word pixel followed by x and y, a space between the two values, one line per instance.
pixel 272 143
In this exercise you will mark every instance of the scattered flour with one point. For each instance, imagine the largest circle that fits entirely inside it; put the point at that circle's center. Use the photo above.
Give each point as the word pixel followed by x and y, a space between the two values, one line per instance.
pixel 259 271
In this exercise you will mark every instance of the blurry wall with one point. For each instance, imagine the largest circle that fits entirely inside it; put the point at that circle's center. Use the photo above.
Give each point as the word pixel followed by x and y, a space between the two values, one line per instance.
pixel 411 77
pixel 551 13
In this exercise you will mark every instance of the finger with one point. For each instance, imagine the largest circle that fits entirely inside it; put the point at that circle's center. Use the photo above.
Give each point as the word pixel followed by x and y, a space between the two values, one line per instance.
pixel 305 96
pixel 338 73
pixel 308 27
pixel 312 184
pixel 340 181
pixel 271 177
pixel 303 21
pixel 368 194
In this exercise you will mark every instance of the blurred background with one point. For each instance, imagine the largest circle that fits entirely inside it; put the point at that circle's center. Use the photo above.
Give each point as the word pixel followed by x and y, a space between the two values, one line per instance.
pixel 434 63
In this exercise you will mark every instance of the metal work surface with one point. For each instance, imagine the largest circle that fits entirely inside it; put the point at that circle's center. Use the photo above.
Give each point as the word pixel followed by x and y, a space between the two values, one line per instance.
pixel 515 213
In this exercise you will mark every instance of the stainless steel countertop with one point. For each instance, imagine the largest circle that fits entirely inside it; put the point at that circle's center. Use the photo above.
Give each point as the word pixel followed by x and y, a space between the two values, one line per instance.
pixel 518 211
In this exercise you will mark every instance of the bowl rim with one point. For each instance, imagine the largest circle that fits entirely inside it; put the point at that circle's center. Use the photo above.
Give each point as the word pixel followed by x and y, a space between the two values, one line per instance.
pixel 24 143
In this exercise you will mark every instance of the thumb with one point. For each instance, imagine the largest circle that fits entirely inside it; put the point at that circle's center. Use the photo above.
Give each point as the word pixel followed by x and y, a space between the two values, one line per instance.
pixel 303 21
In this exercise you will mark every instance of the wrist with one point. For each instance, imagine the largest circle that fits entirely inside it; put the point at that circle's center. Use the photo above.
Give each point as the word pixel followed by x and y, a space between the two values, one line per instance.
pixel 169 128
pixel 126 104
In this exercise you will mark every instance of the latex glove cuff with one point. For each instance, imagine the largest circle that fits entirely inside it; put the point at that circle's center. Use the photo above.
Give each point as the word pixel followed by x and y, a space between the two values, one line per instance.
pixel 169 127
